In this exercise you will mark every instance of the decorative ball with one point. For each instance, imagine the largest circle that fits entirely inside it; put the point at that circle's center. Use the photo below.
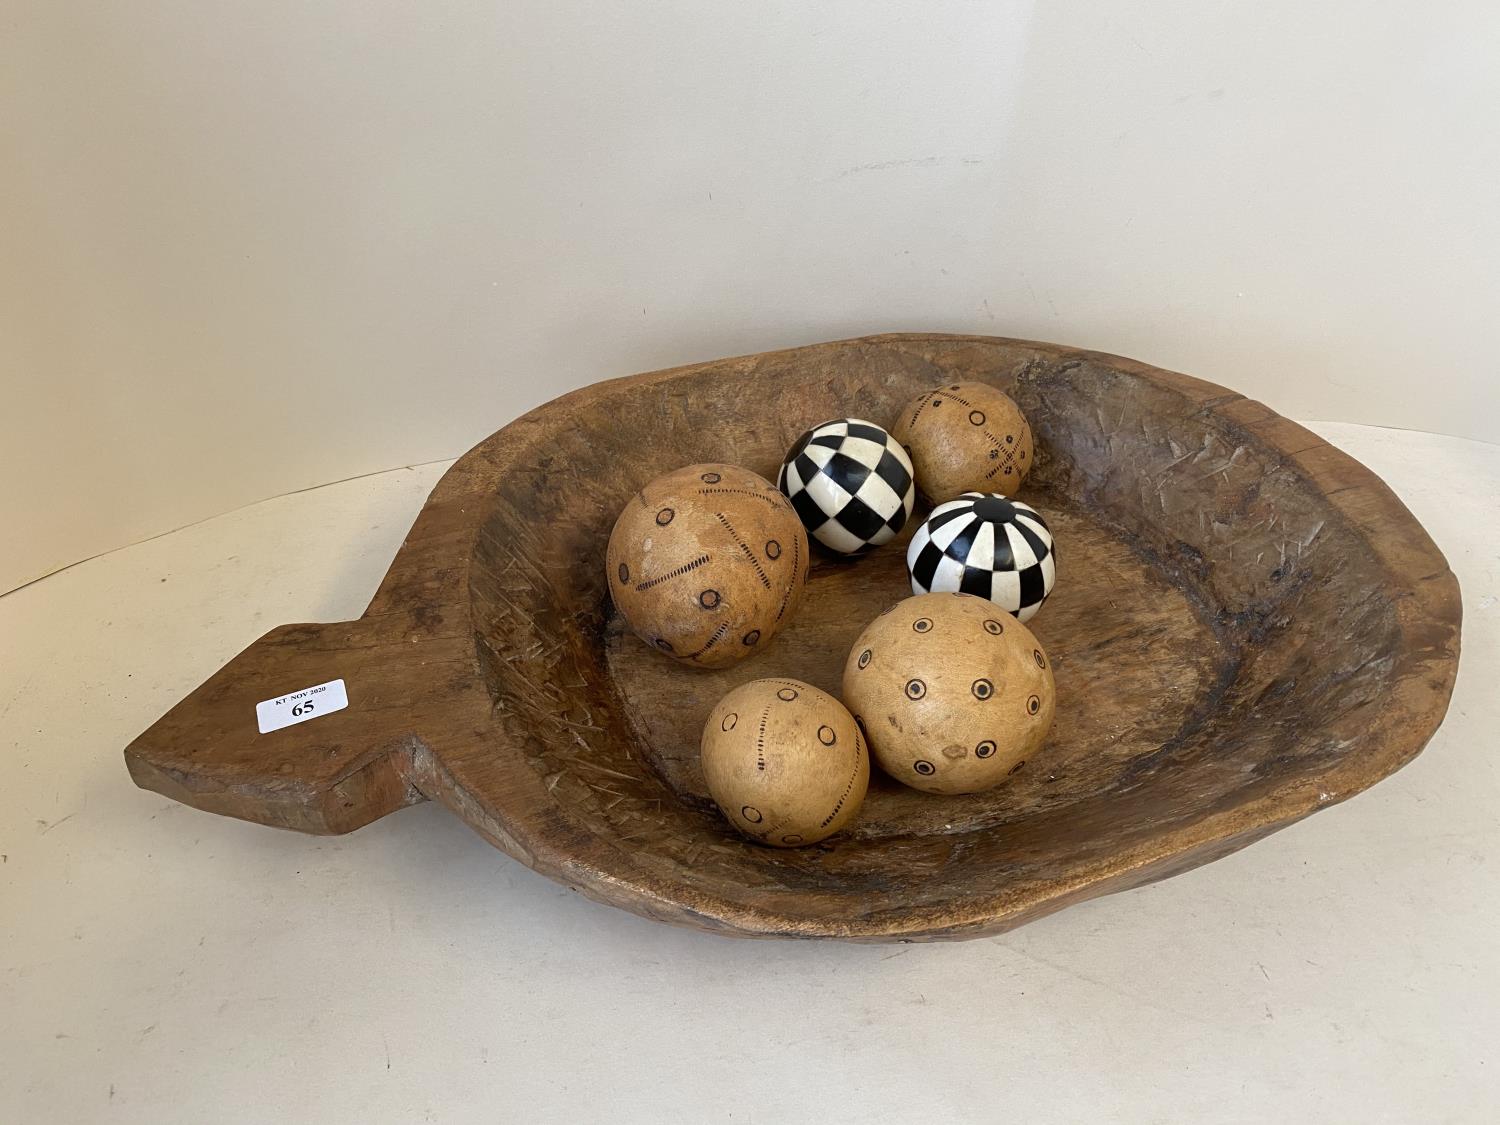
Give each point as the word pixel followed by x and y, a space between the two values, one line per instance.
pixel 851 483
pixel 953 696
pixel 707 563
pixel 968 437
pixel 785 762
pixel 987 546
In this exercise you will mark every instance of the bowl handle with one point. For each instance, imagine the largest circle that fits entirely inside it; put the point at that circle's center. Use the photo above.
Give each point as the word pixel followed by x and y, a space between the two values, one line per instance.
pixel 236 747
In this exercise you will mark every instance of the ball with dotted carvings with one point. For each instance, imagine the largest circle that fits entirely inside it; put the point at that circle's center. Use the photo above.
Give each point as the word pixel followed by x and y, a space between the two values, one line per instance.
pixel 785 762
pixel 967 437
pixel 707 563
pixel 952 695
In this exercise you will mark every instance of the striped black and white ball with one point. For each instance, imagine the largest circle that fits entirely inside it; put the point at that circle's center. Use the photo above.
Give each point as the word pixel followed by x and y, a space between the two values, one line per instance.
pixel 984 544
pixel 851 483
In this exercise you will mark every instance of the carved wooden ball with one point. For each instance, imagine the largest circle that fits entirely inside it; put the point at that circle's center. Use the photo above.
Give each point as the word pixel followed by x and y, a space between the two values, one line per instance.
pixel 966 437
pixel 707 563
pixel 785 762
pixel 953 694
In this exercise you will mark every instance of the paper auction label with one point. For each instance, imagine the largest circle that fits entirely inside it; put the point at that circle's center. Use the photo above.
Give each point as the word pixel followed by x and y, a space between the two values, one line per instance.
pixel 301 706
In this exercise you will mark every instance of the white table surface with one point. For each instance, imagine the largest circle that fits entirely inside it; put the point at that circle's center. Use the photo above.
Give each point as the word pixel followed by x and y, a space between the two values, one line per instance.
pixel 159 964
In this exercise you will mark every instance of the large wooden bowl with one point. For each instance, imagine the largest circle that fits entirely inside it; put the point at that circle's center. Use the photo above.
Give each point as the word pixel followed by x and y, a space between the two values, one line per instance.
pixel 1248 626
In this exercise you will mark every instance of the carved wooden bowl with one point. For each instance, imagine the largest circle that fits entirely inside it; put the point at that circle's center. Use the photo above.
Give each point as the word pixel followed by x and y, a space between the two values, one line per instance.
pixel 1248 626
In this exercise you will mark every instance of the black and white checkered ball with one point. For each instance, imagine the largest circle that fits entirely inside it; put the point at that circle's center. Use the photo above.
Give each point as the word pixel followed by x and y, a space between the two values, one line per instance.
pixel 984 544
pixel 851 483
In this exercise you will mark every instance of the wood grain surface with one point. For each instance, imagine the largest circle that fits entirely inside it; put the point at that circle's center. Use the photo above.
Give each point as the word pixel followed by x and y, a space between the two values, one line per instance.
pixel 1248 626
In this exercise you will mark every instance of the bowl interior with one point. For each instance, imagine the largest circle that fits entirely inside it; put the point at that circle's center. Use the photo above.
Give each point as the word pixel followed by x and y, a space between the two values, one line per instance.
pixel 1205 640
pixel 1107 636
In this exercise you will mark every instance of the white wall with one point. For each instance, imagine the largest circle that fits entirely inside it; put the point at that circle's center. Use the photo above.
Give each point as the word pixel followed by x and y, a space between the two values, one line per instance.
pixel 252 247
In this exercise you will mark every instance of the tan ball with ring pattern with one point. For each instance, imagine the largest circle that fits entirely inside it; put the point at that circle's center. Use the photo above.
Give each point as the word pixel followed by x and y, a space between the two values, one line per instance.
pixel 707 563
pixel 785 762
pixel 953 694
pixel 966 437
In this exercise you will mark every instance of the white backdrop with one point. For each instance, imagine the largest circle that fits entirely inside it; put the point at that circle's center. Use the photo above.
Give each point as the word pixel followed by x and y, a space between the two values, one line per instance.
pixel 252 247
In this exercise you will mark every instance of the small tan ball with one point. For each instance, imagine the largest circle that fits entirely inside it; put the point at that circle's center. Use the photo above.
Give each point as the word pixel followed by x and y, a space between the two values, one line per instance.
pixel 707 563
pixel 966 437
pixel 785 762
pixel 953 694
